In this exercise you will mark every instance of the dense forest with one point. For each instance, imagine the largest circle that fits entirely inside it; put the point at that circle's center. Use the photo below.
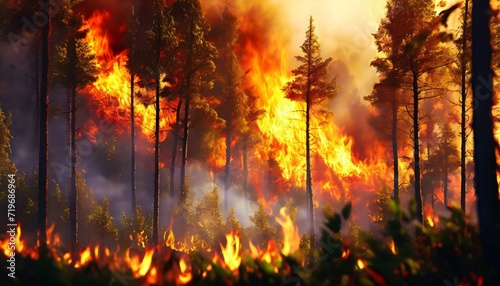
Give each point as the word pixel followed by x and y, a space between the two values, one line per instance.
pixel 195 142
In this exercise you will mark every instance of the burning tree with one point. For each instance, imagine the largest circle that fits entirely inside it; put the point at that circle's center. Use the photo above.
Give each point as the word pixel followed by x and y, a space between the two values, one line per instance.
pixel 74 67
pixel 444 160
pixel 228 87
pixel 161 44
pixel 196 56
pixel 412 52
pixel 133 65
pixel 311 86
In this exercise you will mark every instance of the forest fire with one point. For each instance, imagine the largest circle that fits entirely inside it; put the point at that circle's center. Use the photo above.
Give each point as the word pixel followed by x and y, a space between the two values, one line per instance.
pixel 356 136
pixel 337 171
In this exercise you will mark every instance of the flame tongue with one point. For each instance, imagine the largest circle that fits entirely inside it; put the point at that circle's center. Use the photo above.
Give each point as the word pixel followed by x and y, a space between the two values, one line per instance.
pixel 110 94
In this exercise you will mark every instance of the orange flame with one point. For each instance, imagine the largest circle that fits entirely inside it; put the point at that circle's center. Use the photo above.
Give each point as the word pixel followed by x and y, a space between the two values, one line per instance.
pixel 393 247
pixel 291 238
pixel 110 93
pixel 231 252
pixel 185 275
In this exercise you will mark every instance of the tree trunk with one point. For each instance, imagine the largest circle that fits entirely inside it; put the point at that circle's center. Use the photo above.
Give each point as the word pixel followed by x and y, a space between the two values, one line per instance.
pixel 132 140
pixel 156 198
pixel 416 148
pixel 73 196
pixel 227 179
pixel 174 153
pixel 463 126
pixel 185 139
pixel 308 145
pixel 36 113
pixel 395 146
pixel 485 177
pixel 445 181
pixel 43 155
pixel 433 195
pixel 245 176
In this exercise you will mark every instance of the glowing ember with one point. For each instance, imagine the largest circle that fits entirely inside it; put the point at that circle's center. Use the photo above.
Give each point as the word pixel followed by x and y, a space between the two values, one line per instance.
pixel 345 253
pixel 361 263
pixel 430 221
pixel 393 247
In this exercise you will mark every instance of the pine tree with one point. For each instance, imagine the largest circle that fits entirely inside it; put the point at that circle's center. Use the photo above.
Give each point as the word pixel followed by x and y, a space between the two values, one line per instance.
pixel 310 86
pixel 132 66
pixel 465 71
pixel 209 217
pixel 445 159
pixel 228 81
pixel 411 45
pixel 261 231
pixel 196 55
pixel 101 222
pixel 161 44
pixel 43 155
pixel 73 67
pixel 6 166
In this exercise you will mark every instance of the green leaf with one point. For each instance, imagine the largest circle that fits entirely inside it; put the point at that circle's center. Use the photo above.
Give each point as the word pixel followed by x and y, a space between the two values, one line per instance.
pixel 346 211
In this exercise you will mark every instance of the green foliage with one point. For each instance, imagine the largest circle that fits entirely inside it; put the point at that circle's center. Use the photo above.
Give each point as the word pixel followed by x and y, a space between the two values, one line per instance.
pixel 136 228
pixel 378 207
pixel 6 166
pixel 208 217
pixel 101 222
pixel 58 209
pixel 183 213
pixel 261 231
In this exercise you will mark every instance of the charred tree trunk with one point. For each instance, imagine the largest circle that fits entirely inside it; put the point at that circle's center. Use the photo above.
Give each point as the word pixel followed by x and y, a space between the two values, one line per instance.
pixel 174 153
pixel 73 193
pixel 308 148
pixel 227 178
pixel 43 154
pixel 395 146
pixel 185 139
pixel 36 114
pixel 245 175
pixel 132 140
pixel 485 177
pixel 308 174
pixel 463 126
pixel 445 181
pixel 433 195
pixel 416 148
pixel 156 198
